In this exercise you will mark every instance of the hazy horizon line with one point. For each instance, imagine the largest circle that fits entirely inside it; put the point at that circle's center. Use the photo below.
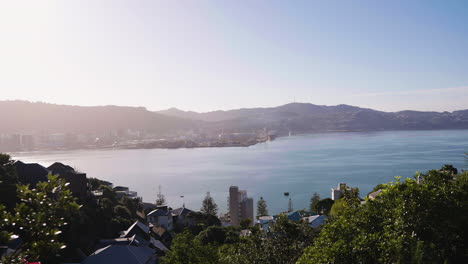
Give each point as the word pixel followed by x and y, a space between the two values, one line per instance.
pixel 225 110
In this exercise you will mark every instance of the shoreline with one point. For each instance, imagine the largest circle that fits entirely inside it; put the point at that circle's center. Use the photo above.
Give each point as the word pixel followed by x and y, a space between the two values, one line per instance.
pixel 192 145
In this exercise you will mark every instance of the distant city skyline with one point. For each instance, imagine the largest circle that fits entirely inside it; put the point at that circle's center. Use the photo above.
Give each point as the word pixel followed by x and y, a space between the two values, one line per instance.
pixel 218 55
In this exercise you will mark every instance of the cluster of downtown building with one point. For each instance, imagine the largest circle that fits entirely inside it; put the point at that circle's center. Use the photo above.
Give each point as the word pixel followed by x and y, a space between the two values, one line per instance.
pixel 128 138
pixel 67 140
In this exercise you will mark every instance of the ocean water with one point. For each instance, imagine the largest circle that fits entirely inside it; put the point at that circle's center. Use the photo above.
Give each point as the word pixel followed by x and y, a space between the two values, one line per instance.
pixel 300 165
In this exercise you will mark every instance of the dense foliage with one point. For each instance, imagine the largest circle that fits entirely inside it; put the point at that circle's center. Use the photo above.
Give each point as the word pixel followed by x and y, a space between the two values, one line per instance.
pixel 208 205
pixel 313 207
pixel 262 209
pixel 283 242
pixel 421 220
pixel 47 221
pixel 186 248
pixel 324 206
pixel 39 220
pixel 8 182
pixel 161 199
pixel 100 217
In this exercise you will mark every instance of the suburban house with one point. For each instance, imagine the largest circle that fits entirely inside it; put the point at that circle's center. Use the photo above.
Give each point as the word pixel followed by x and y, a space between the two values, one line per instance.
pixel 264 221
pixel 294 216
pixel 122 254
pixel 31 173
pixel 374 194
pixel 161 234
pixel 138 235
pixel 122 191
pixel 159 246
pixel 180 216
pixel 122 241
pixel 315 220
pixel 77 180
pixel 161 217
pixel 139 229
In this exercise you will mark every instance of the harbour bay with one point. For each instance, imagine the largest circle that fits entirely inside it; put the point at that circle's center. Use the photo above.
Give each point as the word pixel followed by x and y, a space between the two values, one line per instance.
pixel 300 165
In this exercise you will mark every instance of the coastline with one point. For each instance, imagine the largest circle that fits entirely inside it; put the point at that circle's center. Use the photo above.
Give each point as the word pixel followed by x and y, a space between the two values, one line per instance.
pixel 189 144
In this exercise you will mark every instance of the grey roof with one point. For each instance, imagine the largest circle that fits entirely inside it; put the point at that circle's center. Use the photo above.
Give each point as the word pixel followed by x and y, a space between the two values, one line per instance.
pixel 123 241
pixel 31 173
pixel 294 216
pixel 315 220
pixel 374 194
pixel 158 244
pixel 60 168
pixel 121 254
pixel 137 224
pixel 121 188
pixel 181 211
pixel 159 212
pixel 160 231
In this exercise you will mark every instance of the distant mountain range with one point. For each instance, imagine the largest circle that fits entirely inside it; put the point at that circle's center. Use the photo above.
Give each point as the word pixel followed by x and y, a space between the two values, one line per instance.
pixel 27 117
pixel 308 118
pixel 295 118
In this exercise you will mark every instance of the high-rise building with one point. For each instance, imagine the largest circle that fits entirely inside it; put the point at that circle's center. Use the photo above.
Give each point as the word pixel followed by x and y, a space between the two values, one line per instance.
pixel 338 191
pixel 240 206
pixel 27 142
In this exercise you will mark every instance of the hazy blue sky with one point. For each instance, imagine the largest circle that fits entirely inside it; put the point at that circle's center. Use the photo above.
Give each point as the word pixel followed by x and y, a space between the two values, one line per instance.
pixel 207 55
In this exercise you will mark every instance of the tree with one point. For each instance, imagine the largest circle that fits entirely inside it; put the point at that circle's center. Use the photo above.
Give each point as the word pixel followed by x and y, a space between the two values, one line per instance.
pixel 324 206
pixel 161 200
pixel 449 168
pixel 209 206
pixel 7 170
pixel 5 236
pixel 349 199
pixel 202 221
pixel 39 219
pixel 284 242
pixel 8 181
pixel 409 222
pixel 314 202
pixel 262 207
pixel 219 235
pixel 245 223
pixel 186 248
pixel 122 211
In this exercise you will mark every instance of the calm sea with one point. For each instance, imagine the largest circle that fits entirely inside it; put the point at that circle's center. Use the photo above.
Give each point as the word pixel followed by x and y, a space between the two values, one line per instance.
pixel 300 165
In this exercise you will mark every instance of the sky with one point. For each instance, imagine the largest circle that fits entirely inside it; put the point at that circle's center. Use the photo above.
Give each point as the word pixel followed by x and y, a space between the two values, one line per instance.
pixel 218 55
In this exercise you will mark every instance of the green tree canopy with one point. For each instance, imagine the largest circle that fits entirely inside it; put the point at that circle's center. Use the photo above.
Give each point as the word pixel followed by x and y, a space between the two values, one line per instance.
pixel 209 206
pixel 262 209
pixel 314 202
pixel 186 248
pixel 161 199
pixel 284 242
pixel 219 235
pixel 39 219
pixel 8 181
pixel 408 222
pixel 324 206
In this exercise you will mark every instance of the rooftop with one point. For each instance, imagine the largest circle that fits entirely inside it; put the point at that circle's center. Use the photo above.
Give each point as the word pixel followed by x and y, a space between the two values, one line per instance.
pixel 121 254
